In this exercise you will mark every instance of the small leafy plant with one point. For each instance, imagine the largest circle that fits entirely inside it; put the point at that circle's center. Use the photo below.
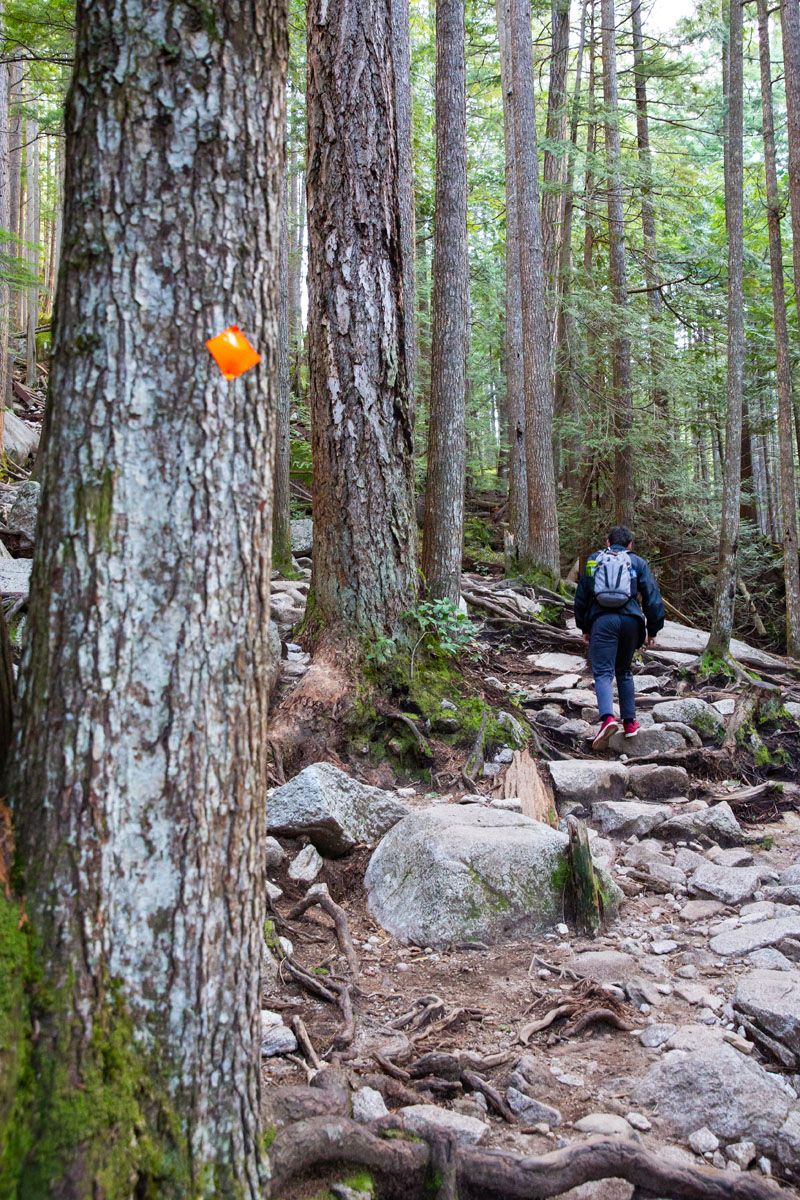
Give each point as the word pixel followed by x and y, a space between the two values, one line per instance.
pixel 442 622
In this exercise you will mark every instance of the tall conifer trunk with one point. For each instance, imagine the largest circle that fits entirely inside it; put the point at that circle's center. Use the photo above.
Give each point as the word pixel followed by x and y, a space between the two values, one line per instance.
pixel 444 492
pixel 142 810
pixel 543 548
pixel 788 495
pixel 725 593
pixel 624 486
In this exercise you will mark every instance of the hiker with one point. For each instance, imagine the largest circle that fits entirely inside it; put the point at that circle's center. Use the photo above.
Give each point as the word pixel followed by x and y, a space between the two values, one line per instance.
pixel 614 625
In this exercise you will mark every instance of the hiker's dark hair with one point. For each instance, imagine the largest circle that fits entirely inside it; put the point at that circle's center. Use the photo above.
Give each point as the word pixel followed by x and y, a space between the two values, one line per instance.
pixel 619 535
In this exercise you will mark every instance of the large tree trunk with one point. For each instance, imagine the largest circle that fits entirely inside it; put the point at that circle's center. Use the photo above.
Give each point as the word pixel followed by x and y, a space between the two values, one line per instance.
pixel 514 369
pixel 725 593
pixel 141 799
pixel 554 156
pixel 790 31
pixel 444 492
pixel 624 486
pixel 364 564
pixel 788 496
pixel 5 220
pixel 281 520
pixel 401 58
pixel 543 549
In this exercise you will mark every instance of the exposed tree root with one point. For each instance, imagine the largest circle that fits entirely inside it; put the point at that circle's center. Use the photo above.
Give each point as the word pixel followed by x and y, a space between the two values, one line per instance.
pixel 309 723
pixel 405 1168
pixel 318 894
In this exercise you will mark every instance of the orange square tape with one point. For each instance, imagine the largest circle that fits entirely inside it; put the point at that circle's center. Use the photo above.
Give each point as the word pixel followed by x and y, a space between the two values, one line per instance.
pixel 232 352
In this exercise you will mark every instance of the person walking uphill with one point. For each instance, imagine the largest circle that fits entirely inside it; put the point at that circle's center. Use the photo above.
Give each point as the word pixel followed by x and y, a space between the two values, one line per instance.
pixel 615 625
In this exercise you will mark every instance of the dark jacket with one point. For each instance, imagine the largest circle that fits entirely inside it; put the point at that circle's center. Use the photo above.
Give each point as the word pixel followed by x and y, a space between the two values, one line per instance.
pixel 651 612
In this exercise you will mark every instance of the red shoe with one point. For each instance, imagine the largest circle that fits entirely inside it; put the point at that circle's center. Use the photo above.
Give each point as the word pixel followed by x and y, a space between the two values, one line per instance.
pixel 631 728
pixel 608 727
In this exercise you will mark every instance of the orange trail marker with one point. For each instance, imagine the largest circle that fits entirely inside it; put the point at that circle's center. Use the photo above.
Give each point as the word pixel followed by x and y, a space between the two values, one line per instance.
pixel 232 352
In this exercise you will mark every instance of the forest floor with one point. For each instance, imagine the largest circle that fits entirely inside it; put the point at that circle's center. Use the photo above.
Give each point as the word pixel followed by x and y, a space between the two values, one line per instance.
pixel 655 957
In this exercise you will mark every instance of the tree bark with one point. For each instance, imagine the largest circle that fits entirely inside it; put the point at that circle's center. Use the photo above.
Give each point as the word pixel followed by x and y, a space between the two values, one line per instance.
pixel 514 369
pixel 543 549
pixel 364 564
pixel 790 33
pixel 5 222
pixel 651 270
pixel 725 592
pixel 554 156
pixel 624 484
pixel 444 491
pixel 401 57
pixel 141 812
pixel 281 519
pixel 33 249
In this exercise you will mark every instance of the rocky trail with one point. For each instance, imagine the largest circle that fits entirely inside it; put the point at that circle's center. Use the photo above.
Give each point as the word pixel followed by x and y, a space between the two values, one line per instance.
pixel 426 953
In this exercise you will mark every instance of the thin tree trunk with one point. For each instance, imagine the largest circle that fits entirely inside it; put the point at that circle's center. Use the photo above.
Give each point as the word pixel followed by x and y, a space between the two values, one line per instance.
pixel 790 32
pixel 565 397
pixel 514 369
pixel 281 523
pixel 624 485
pixel 725 594
pixel 593 353
pixel 651 269
pixel 542 513
pixel 444 491
pixel 5 220
pixel 554 156
pixel 141 810
pixel 33 248
pixel 364 565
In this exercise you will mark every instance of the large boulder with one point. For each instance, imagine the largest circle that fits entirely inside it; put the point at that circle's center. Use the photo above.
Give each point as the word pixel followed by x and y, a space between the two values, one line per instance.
pixel 302 534
pixel 458 873
pixel 756 935
pixel 653 782
pixel 692 711
pixel 25 509
pixel 771 999
pixel 709 1083
pixel 582 781
pixel 332 809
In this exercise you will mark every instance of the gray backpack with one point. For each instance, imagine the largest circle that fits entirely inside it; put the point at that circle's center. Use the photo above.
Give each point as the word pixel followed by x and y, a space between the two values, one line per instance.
pixel 614 579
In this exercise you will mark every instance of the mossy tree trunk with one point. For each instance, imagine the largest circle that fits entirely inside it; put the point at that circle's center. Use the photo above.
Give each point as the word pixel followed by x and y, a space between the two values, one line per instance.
pixel 140 796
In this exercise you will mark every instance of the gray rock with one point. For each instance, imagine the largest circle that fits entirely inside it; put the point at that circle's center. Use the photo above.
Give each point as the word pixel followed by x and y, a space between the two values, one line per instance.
pixel 664 872
pixel 625 818
pixel 791 876
pixel 735 857
pixel 274 892
pixel 588 780
pixel 772 1000
pixel 604 1124
pixel 653 1036
pixel 741 1153
pixel 638 1121
pixel 456 873
pixel 703 1141
pixel 25 509
pixel 277 1040
pixel 714 824
pixel 724 707
pixel 784 895
pixel 667 946
pixel 644 852
pixel 713 1084
pixel 604 966
pixel 306 866
pixel 788 1142
pixel 510 723
pixel 653 782
pixel 422 1118
pixel 688 860
pixel 746 938
pixel 647 683
pixel 731 885
pixel 368 1105
pixel 701 910
pixel 770 959
pixel 302 535
pixel 275 852
pixel 530 1111
pixel 557 664
pixel 20 440
pixel 334 810
pixel 655 740
pixel 692 711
